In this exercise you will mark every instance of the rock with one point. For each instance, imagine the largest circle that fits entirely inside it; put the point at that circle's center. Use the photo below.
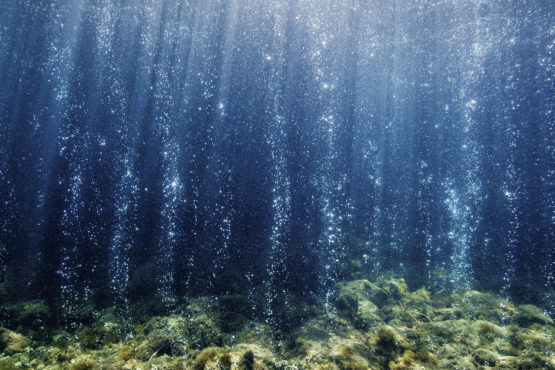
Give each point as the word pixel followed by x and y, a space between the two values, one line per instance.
pixel 248 360
pixel 406 330
pixel 33 314
pixel 233 309
pixel 208 358
pixel 386 340
pixel 532 340
pixel 367 316
pixel 388 345
pixel 14 342
pixel 354 302
pixel 529 314
pixel 488 332
pixel 253 356
pixel 321 328
pixel 485 306
pixel 174 335
pixel 347 305
pixel 485 357
pixel 163 335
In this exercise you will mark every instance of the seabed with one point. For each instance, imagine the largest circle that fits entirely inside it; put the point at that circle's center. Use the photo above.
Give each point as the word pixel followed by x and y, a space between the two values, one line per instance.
pixel 366 324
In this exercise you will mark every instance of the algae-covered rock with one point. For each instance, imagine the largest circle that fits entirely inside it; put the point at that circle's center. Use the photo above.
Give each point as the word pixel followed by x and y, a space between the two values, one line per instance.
pixel 420 295
pixel 30 318
pixel 358 289
pixel 397 289
pixel 86 364
pixel 163 335
pixel 247 361
pixel 449 313
pixel 167 362
pixel 207 358
pixel 532 340
pixel 371 325
pixel 8 364
pixel 203 323
pixel 486 357
pixel 330 342
pixel 33 314
pixel 386 340
pixel 13 342
pixel 99 334
pixel 353 301
pixel 485 306
pixel 488 332
pixel 233 312
pixel 323 327
pixel 254 356
pixel 367 316
pixel 410 360
pixel 174 335
pixel 529 314
pixel 252 332
pixel 387 345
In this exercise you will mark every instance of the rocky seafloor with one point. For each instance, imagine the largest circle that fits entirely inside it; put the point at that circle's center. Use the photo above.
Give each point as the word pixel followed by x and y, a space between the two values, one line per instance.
pixel 365 325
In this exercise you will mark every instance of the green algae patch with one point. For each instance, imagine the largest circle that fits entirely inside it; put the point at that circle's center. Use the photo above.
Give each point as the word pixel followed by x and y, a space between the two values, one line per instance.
pixel 378 324
pixel 13 342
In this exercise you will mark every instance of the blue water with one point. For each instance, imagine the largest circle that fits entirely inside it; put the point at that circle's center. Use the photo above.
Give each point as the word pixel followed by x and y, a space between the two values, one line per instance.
pixel 160 149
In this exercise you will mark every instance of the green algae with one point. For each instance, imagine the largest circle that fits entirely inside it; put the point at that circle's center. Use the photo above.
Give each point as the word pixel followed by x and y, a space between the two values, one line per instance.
pixel 13 342
pixel 376 324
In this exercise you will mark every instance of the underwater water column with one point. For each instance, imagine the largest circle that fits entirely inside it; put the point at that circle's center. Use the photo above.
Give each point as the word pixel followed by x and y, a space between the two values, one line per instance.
pixel 220 168
pixel 372 70
pixel 389 74
pixel 126 186
pixel 208 118
pixel 166 131
pixel 463 188
pixel 72 164
pixel 528 161
pixel 330 46
pixel 547 134
pixel 33 103
pixel 121 243
pixel 5 207
pixel 11 106
pixel 128 96
pixel 392 128
pixel 220 116
pixel 328 242
pixel 234 146
pixel 281 183
pixel 510 188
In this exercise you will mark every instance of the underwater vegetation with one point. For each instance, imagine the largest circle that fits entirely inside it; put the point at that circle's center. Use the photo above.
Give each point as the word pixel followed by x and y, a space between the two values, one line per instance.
pixel 377 324
pixel 277 184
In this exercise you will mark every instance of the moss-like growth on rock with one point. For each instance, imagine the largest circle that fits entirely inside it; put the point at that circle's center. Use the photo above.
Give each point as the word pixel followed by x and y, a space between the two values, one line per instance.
pixel 528 315
pixel 127 352
pixel 247 362
pixel 370 325
pixel 83 365
pixel 205 357
pixel 8 364
pixel 385 339
pixel 12 342
pixel 225 360
pixel 485 357
pixel 232 309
